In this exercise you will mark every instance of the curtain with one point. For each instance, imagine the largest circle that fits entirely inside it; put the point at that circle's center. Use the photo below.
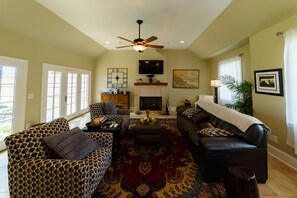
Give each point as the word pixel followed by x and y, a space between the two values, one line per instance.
pixel 230 67
pixel 290 67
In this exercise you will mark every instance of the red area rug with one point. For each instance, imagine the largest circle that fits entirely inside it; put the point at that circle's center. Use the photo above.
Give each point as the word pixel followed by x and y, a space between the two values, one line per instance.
pixel 165 171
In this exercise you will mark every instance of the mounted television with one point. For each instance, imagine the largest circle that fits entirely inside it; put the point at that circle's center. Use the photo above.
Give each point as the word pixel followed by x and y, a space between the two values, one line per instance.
pixel 150 67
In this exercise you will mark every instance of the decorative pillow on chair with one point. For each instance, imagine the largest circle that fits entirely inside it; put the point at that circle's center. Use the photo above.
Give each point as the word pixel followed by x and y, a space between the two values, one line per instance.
pixel 190 112
pixel 214 132
pixel 73 144
pixel 109 108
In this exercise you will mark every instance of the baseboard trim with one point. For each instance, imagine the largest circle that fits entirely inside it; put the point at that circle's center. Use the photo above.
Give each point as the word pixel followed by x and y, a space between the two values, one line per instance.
pixel 282 156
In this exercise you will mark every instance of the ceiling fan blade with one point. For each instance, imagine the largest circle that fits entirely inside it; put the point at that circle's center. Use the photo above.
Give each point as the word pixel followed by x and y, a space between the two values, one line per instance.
pixel 125 39
pixel 155 46
pixel 152 38
pixel 124 46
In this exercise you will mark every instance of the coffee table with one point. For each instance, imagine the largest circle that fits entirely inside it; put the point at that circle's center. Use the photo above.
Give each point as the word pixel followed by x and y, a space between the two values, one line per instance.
pixel 148 134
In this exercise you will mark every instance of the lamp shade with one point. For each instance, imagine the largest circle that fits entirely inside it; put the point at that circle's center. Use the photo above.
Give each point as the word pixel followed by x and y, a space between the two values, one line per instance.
pixel 215 83
pixel 139 47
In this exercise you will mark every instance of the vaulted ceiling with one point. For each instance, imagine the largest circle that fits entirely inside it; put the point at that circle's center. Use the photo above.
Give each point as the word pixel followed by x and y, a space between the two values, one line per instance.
pixel 91 27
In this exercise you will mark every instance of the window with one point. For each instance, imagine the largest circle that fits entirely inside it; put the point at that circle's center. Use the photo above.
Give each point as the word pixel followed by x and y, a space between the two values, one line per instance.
pixel 65 92
pixel 13 79
pixel 230 67
pixel 290 62
pixel 84 93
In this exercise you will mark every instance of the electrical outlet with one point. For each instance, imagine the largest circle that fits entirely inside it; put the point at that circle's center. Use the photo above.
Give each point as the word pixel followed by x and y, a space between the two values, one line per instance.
pixel 275 139
pixel 270 136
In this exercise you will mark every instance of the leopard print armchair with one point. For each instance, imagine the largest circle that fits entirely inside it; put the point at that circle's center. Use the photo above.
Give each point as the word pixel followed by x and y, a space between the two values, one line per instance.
pixel 123 115
pixel 34 171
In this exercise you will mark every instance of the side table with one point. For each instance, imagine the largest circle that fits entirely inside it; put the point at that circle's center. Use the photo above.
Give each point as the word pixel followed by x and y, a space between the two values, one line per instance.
pixel 116 134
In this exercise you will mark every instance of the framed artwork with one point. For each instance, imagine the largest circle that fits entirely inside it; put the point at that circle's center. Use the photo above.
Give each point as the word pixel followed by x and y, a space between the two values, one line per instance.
pixel 269 82
pixel 185 78
pixel 117 77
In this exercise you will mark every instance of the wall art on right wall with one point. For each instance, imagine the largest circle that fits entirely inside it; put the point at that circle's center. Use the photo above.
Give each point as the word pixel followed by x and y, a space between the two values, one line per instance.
pixel 269 82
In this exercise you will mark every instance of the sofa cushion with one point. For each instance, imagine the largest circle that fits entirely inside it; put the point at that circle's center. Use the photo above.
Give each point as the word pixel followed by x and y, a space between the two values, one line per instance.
pixel 212 132
pixel 223 144
pixel 190 112
pixel 109 108
pixel 200 117
pixel 206 125
pixel 73 144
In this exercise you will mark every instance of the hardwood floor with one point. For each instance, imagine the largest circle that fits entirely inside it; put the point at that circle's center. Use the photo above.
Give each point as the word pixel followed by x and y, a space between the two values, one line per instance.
pixel 282 180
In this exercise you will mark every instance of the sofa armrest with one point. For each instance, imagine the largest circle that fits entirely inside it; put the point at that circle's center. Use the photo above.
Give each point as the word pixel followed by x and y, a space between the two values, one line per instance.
pixel 104 139
pixel 50 178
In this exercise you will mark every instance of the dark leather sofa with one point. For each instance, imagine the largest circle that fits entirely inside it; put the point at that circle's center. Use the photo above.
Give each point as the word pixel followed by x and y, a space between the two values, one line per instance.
pixel 215 154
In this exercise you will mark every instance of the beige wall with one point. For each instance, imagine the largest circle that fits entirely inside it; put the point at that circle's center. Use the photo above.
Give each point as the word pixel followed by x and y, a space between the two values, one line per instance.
pixel 36 52
pixel 177 59
pixel 267 53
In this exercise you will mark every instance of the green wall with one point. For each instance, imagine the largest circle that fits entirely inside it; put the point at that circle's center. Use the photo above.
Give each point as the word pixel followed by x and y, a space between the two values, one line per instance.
pixel 173 59
pixel 267 51
pixel 36 52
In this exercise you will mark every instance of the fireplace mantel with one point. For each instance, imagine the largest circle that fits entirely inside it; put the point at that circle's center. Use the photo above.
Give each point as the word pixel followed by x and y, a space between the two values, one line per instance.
pixel 152 84
pixel 150 90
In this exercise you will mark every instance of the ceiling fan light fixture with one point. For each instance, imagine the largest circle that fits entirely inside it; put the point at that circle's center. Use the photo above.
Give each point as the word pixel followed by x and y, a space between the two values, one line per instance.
pixel 139 48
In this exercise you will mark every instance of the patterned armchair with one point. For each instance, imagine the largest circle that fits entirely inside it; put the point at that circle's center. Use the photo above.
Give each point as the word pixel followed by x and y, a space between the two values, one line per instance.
pixel 96 111
pixel 34 171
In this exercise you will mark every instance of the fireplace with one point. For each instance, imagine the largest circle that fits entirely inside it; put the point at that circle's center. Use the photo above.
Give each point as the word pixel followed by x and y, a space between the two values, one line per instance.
pixel 151 103
pixel 157 91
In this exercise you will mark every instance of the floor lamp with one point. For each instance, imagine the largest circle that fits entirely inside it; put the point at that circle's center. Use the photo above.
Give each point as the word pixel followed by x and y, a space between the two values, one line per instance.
pixel 216 84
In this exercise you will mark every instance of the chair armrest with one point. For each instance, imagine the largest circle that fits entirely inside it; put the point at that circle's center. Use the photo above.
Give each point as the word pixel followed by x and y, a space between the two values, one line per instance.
pixel 117 118
pixel 50 178
pixel 104 139
pixel 123 112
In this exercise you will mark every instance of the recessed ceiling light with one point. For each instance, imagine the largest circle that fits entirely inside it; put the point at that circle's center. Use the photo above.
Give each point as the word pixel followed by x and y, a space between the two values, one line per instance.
pixel 182 42
pixel 107 42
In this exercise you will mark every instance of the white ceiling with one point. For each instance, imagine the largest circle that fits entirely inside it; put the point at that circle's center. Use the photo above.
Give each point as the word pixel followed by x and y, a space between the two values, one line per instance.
pixel 171 21
pixel 205 36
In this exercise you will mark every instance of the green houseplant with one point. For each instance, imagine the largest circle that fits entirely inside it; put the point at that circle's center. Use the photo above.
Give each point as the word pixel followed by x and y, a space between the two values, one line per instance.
pixel 243 101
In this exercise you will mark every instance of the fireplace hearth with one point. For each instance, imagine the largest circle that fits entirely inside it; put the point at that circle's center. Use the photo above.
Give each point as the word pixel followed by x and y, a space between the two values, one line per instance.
pixel 151 103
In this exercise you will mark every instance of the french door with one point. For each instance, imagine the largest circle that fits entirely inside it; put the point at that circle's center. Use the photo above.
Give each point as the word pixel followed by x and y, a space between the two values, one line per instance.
pixel 65 92
pixel 13 84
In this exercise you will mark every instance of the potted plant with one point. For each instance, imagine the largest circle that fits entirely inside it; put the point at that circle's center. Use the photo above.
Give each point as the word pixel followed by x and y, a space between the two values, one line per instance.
pixel 243 101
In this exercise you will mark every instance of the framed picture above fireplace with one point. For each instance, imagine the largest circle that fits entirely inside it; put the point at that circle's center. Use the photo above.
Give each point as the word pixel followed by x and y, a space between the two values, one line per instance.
pixel 185 78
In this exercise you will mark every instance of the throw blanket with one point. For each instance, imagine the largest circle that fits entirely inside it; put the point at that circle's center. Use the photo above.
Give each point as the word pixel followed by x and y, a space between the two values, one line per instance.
pixel 240 120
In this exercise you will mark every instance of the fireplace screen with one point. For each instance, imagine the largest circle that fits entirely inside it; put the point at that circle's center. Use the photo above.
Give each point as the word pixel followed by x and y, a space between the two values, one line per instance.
pixel 151 103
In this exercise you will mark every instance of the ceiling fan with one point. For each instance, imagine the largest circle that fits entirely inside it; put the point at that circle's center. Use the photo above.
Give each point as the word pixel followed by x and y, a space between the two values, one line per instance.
pixel 139 44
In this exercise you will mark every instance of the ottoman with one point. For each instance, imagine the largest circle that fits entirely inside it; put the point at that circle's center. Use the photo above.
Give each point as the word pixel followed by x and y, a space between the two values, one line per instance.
pixel 148 134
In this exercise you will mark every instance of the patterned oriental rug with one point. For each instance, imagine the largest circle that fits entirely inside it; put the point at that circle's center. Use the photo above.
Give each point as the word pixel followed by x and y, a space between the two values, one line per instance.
pixel 165 171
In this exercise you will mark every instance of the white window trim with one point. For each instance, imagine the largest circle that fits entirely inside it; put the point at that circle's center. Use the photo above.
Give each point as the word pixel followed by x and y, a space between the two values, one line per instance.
pixel 20 94
pixel 47 67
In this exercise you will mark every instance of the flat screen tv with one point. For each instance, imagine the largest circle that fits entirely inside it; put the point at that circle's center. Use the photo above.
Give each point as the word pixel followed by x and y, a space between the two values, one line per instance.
pixel 150 67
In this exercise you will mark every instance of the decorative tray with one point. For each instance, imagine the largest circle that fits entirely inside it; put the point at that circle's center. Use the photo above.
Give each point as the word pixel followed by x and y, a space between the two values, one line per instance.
pixel 148 121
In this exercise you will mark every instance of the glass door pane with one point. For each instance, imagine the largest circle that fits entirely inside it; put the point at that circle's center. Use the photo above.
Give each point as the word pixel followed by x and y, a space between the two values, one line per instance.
pixel 7 99
pixel 53 104
pixel 72 93
pixel 84 94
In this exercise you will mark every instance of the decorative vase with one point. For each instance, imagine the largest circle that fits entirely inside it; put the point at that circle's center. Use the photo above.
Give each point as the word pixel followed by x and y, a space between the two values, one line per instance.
pixel 148 114
pixel 187 103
